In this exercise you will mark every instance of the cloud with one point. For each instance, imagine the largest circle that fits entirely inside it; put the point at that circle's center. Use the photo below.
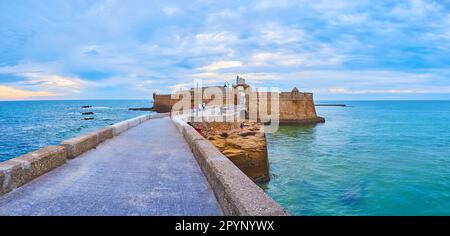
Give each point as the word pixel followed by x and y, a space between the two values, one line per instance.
pixel 373 91
pixel 415 8
pixel 170 10
pixel 341 82
pixel 268 4
pixel 389 91
pixel 54 82
pixel 216 37
pixel 352 19
pixel 90 50
pixel 218 65
pixel 130 48
pixel 44 77
pixel 10 93
pixel 274 33
pixel 221 77
pixel 277 59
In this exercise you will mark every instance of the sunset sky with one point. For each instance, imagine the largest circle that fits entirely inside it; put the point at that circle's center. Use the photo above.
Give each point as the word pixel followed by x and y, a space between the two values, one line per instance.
pixel 127 49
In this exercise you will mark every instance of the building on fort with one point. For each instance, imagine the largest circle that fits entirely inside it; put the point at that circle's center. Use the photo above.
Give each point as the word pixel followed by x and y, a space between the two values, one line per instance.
pixel 294 106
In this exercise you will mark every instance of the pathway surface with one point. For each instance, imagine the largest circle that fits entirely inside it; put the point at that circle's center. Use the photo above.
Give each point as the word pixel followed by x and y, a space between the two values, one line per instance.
pixel 148 170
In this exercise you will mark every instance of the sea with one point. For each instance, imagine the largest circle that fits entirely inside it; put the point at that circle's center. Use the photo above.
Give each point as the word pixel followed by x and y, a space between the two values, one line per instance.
pixel 29 125
pixel 379 158
pixel 368 158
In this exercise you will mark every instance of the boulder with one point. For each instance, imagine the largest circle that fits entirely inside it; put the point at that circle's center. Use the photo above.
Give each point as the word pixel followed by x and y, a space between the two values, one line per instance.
pixel 246 147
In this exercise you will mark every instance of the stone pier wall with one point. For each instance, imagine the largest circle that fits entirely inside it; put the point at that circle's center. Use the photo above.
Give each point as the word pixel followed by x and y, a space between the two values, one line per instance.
pixel 236 193
pixel 21 170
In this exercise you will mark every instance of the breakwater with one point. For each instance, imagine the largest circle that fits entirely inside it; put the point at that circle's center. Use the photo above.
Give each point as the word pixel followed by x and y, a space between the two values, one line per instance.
pixel 146 170
pixel 23 169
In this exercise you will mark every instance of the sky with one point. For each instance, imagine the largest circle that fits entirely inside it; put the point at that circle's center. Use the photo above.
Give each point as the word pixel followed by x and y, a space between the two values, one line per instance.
pixel 339 50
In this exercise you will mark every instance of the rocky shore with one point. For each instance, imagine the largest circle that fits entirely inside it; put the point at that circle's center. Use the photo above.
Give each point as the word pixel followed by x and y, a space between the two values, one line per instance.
pixel 245 147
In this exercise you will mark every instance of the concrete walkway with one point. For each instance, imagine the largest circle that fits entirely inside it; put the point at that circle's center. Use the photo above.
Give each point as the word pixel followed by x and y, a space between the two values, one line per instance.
pixel 148 170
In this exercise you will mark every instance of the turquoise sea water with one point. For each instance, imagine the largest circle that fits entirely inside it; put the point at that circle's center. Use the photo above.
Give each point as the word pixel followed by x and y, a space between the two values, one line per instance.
pixel 371 158
pixel 29 125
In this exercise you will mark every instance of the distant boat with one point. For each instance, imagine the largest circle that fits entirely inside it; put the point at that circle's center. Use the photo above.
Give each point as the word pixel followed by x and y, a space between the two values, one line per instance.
pixel 87 113
pixel 87 106
pixel 87 118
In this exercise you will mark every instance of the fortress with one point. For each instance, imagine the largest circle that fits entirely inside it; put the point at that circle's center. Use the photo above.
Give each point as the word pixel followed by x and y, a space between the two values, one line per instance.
pixel 294 107
pixel 242 143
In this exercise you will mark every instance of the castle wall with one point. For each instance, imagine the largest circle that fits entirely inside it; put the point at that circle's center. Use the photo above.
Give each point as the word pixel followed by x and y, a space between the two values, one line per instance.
pixel 297 108
pixel 294 107
pixel 163 103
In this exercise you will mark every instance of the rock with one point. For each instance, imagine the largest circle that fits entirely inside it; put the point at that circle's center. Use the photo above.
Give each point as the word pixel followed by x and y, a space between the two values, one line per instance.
pixel 87 118
pixel 246 144
pixel 246 148
pixel 141 109
pixel 245 134
pixel 87 113
pixel 220 143
pixel 87 106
